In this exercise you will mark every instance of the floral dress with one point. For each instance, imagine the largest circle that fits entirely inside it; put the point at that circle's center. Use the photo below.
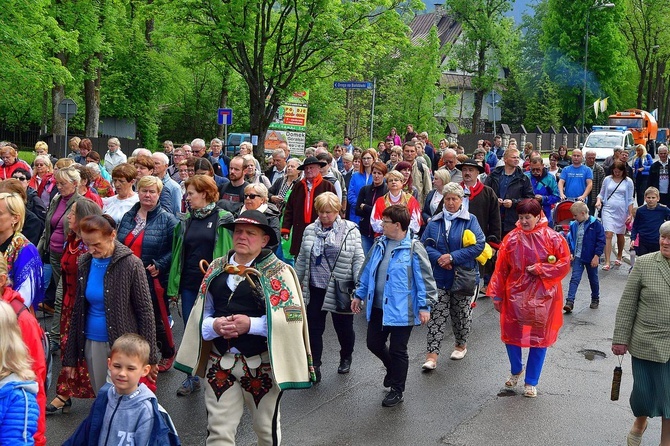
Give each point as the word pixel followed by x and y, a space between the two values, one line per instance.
pixel 80 385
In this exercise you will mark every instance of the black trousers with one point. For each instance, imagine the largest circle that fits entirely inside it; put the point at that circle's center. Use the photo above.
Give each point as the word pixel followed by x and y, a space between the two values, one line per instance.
pixel 394 356
pixel 316 320
pixel 646 248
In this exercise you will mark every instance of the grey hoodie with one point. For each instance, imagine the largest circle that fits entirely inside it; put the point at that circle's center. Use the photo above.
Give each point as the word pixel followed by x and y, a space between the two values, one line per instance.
pixel 128 419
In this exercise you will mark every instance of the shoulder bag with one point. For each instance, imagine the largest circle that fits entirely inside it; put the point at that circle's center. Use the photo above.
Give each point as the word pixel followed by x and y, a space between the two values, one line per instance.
pixel 344 289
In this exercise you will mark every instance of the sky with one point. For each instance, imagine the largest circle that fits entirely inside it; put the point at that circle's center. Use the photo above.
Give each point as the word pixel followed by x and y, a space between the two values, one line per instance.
pixel 518 8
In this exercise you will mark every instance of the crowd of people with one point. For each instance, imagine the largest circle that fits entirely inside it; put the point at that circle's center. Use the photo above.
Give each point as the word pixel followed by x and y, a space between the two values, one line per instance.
pixel 407 233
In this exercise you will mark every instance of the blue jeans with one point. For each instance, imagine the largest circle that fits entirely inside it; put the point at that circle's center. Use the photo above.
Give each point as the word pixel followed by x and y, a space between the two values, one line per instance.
pixel 578 266
pixel 367 243
pixel 534 365
pixel 187 301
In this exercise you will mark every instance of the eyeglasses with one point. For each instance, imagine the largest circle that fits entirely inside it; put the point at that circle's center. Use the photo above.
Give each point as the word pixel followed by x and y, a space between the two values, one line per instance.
pixel 387 222
pixel 251 196
pixel 20 178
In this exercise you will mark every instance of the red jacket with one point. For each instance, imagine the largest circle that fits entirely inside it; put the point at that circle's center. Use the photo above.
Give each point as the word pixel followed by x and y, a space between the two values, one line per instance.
pixel 7 171
pixel 32 336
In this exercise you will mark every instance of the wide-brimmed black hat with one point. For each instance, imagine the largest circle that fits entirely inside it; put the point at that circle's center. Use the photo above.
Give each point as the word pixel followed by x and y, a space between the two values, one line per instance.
pixel 312 160
pixel 470 162
pixel 255 218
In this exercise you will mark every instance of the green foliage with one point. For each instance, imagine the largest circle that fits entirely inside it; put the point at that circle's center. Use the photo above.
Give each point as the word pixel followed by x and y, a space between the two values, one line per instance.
pixel 544 108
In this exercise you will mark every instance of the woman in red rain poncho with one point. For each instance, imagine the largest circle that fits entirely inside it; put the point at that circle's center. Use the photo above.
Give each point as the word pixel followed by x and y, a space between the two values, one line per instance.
pixel 526 285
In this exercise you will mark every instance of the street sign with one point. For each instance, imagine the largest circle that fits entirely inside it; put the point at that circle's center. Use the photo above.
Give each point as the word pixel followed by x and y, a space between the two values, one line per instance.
pixel 493 98
pixel 353 85
pixel 254 140
pixel 67 108
pixel 225 116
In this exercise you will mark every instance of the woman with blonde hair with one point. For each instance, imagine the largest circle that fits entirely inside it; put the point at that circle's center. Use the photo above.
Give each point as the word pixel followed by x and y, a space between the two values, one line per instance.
pixel 395 195
pixel 641 164
pixel 25 265
pixel 11 162
pixel 42 149
pixel 19 411
pixel 331 255
pixel 256 198
pixel 43 181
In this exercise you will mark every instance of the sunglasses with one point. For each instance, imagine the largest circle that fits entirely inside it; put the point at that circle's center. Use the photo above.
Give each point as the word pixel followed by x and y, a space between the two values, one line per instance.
pixel 20 178
pixel 251 196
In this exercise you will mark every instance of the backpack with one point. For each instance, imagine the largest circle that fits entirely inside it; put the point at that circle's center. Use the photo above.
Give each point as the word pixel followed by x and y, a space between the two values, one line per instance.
pixel 46 342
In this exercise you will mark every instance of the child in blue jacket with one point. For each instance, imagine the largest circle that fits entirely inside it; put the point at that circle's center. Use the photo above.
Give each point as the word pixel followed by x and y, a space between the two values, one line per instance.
pixel 586 239
pixel 126 413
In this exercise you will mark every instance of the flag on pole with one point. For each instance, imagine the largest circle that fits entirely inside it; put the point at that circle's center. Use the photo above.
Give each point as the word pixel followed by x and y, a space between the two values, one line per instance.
pixel 603 104
pixel 596 107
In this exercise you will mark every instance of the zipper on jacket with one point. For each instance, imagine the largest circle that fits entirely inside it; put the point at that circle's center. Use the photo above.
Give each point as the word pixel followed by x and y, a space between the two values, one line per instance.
pixel 109 430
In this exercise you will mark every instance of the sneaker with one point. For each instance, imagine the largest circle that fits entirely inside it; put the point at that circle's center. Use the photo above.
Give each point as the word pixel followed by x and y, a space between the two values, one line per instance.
pixel 171 321
pixel 594 304
pixel 189 385
pixel 529 391
pixel 165 364
pixel 569 305
pixel 393 398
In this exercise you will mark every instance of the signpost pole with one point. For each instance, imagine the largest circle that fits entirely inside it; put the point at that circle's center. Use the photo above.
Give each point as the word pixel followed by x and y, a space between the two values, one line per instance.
pixel 372 111
pixel 67 120
pixel 225 136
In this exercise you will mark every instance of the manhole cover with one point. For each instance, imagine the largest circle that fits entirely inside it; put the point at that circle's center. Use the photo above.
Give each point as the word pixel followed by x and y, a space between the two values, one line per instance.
pixel 593 354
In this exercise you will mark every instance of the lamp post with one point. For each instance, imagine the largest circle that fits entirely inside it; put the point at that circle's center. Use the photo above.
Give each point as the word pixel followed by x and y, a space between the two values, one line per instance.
pixel 597 5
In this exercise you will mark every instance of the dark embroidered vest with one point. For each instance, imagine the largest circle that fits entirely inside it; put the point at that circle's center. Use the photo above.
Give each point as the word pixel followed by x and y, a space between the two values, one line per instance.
pixel 244 300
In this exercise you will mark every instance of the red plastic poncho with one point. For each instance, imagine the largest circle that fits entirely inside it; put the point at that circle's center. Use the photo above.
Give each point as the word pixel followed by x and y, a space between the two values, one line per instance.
pixel 532 305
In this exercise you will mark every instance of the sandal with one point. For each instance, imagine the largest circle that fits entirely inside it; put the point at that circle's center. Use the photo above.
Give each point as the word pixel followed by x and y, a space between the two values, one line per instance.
pixel 617 262
pixel 513 380
pixel 635 438
pixel 529 391
pixel 606 268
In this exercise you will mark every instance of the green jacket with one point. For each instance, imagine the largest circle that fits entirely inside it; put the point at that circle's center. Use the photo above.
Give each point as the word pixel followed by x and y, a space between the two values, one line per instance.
pixel 223 242
pixel 643 317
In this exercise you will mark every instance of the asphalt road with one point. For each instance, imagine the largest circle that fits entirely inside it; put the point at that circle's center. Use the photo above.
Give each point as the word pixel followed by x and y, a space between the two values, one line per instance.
pixel 461 403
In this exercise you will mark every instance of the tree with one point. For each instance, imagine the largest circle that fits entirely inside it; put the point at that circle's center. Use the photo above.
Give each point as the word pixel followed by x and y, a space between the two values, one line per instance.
pixel 271 43
pixel 487 32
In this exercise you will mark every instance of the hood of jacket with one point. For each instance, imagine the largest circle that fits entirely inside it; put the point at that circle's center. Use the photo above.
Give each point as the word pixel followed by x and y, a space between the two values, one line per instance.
pixel 11 382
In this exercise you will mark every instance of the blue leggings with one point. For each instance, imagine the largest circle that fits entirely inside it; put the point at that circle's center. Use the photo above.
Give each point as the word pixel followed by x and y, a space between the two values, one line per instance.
pixel 534 365
pixel 187 301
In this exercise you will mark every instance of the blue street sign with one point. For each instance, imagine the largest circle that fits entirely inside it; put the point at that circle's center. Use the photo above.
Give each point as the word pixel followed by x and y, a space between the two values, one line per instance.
pixel 353 85
pixel 225 116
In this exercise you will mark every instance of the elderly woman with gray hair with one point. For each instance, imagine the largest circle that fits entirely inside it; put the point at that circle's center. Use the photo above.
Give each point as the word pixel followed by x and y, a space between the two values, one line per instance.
pixel 450 254
pixel 330 259
pixel 256 199
pixel 642 328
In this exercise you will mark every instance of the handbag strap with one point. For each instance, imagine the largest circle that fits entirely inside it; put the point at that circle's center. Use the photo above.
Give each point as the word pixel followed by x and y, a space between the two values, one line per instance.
pixel 617 186
pixel 332 268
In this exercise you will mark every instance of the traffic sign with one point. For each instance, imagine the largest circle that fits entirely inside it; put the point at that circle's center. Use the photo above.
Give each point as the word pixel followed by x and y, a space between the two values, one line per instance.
pixel 225 116
pixel 493 97
pixel 353 85
pixel 67 108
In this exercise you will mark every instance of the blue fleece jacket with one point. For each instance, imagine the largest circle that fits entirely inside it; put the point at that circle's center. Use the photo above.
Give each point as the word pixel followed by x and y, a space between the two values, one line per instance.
pixel 593 243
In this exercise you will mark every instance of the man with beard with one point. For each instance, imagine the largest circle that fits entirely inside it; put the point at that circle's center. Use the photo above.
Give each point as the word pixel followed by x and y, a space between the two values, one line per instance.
pixel 231 195
pixel 482 202
pixel 544 186
pixel 299 211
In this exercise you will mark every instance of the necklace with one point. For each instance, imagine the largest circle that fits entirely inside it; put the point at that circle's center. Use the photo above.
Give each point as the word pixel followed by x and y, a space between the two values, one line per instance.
pixel 395 200
pixel 77 246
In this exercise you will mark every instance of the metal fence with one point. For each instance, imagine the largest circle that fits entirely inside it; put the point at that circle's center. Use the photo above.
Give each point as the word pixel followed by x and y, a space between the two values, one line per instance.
pixel 546 142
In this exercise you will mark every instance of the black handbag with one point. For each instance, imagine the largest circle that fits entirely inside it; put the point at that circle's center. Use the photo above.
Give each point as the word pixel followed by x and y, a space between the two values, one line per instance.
pixel 465 281
pixel 344 289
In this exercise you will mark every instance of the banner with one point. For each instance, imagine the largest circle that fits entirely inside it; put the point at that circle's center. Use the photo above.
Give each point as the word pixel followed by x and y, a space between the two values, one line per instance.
pixel 295 141
pixel 292 115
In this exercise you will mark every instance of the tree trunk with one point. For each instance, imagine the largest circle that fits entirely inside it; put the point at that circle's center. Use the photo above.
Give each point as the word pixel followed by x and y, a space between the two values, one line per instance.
pixel 640 87
pixel 92 98
pixel 45 112
pixel 650 84
pixel 479 93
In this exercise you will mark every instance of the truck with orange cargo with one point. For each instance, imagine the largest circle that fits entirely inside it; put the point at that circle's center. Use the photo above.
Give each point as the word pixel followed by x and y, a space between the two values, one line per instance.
pixel 641 124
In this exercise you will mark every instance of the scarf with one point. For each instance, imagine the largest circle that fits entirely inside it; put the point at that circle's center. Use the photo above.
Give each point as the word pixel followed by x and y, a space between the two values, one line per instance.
pixel 403 200
pixel 203 212
pixel 262 208
pixel 327 237
pixel 309 198
pixel 451 216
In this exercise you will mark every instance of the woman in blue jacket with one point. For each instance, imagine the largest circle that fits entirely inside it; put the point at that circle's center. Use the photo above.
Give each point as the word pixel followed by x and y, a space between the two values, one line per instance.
pixel 641 165
pixel 398 287
pixel 147 230
pixel 443 239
